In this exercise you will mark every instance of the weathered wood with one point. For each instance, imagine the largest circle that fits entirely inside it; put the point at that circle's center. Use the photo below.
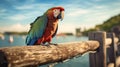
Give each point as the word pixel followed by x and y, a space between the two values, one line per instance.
pixel 98 59
pixel 118 49
pixel 3 60
pixel 112 49
pixel 108 41
pixel 110 65
pixel 27 56
pixel 92 56
pixel 117 63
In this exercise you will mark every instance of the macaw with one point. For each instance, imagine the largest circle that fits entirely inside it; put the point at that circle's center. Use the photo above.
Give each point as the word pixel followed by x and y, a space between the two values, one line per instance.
pixel 44 28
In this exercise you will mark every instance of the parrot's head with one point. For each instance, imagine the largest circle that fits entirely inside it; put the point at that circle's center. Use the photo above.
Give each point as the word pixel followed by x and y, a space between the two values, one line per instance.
pixel 57 12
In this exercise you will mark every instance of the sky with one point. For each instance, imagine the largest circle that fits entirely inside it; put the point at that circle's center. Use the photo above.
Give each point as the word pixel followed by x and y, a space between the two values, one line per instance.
pixel 16 15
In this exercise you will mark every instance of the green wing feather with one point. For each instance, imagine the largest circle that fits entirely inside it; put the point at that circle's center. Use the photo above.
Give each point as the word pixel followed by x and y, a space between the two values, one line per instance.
pixel 37 29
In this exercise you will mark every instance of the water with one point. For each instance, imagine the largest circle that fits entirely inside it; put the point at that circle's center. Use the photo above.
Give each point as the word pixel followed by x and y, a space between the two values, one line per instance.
pixel 18 41
pixel 82 61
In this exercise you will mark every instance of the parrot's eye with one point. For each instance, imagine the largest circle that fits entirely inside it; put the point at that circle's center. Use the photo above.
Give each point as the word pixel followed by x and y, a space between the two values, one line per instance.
pixel 56 12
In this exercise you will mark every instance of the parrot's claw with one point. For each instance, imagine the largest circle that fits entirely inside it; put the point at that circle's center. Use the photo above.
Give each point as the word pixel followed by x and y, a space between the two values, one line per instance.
pixel 42 44
pixel 48 45
pixel 53 44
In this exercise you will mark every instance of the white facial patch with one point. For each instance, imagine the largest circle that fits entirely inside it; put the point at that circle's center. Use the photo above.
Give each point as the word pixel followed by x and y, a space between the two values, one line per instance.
pixel 56 12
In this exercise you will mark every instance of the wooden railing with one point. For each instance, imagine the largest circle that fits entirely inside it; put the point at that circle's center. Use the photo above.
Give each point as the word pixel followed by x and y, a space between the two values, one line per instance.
pixel 106 54
pixel 103 45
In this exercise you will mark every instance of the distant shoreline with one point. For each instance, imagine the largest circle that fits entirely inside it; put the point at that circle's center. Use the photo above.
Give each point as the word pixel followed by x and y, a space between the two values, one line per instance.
pixel 25 33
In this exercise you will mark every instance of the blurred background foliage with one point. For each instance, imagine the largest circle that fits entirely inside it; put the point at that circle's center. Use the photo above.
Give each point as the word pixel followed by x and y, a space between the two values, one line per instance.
pixel 106 25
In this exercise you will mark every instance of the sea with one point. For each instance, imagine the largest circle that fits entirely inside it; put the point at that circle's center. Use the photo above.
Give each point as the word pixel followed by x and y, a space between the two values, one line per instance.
pixel 19 40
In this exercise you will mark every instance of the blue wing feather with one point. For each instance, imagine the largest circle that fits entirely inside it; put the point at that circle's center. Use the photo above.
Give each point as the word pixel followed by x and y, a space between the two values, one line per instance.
pixel 37 30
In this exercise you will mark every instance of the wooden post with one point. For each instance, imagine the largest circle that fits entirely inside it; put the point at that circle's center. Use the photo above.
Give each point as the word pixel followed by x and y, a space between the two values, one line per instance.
pixel 98 59
pixel 112 50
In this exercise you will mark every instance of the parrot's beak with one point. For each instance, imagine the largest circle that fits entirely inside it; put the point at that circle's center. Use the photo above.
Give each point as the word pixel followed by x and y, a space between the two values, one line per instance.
pixel 62 15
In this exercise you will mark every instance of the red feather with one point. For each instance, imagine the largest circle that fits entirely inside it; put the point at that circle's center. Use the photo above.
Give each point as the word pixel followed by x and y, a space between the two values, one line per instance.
pixel 51 26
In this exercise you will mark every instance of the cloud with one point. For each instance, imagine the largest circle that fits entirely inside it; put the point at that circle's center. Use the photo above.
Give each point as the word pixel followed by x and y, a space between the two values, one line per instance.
pixel 97 0
pixel 15 28
pixel 29 11
pixel 99 7
pixel 77 12
pixel 17 17
pixel 33 7
pixel 64 27
pixel 24 7
pixel 71 27
pixel 86 18
pixel 2 10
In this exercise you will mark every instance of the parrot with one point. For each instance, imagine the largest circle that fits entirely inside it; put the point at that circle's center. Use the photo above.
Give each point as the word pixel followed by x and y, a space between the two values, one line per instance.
pixel 45 27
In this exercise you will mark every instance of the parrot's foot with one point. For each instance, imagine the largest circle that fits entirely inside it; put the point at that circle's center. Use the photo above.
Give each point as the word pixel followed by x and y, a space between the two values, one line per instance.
pixel 53 44
pixel 42 44
pixel 48 45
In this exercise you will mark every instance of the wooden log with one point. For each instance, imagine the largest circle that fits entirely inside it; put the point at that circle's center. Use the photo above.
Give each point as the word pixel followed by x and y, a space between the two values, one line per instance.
pixel 98 59
pixel 27 56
